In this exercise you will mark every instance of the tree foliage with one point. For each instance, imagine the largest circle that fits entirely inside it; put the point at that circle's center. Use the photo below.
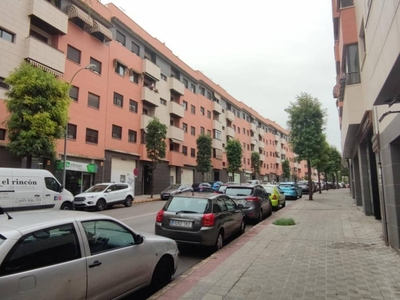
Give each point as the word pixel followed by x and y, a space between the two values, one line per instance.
pixel 156 133
pixel 306 121
pixel 203 159
pixel 255 162
pixel 286 169
pixel 38 106
pixel 234 153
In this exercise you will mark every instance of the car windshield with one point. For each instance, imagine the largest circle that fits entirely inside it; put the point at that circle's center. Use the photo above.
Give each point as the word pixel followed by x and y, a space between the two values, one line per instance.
pixel 238 191
pixel 186 204
pixel 283 185
pixel 173 187
pixel 96 188
pixel 269 189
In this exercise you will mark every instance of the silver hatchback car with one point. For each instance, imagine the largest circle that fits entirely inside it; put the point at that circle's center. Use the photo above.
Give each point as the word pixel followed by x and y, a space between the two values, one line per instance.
pixel 205 219
pixel 78 255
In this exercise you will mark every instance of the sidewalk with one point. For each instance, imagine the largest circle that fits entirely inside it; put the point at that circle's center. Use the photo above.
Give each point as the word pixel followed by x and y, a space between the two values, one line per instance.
pixel 146 198
pixel 334 252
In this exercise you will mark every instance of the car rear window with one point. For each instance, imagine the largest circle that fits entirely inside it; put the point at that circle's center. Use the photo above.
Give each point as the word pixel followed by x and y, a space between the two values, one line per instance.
pixel 238 191
pixel 269 189
pixel 286 185
pixel 197 205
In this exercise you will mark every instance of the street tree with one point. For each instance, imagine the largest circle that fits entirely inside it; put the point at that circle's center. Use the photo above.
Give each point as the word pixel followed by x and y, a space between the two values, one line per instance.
pixel 336 163
pixel 156 133
pixel 306 121
pixel 203 158
pixel 286 169
pixel 38 106
pixel 255 162
pixel 234 153
pixel 321 162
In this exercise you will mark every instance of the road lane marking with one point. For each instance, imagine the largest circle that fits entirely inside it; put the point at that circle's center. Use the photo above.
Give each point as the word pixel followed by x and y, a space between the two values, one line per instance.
pixel 139 216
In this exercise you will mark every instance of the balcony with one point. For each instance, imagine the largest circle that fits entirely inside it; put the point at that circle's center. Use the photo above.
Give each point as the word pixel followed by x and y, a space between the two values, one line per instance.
pixel 44 56
pixel 144 121
pixel 175 133
pixel 283 151
pixel 175 158
pixel 151 69
pixel 230 132
pixel 278 160
pixel 150 97
pixel 176 86
pixel 253 127
pixel 229 115
pixel 260 131
pixel 217 107
pixel 261 144
pixel 262 157
pixel 217 144
pixel 217 125
pixel 47 17
pixel 176 109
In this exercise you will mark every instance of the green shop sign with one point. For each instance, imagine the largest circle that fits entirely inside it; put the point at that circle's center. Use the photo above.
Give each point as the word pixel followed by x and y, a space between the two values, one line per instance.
pixel 76 166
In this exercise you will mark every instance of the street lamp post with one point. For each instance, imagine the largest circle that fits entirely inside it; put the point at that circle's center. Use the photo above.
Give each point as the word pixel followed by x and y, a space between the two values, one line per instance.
pixel 88 67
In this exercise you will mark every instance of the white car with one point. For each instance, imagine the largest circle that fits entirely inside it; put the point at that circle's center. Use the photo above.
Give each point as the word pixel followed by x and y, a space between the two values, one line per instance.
pixel 79 255
pixel 103 195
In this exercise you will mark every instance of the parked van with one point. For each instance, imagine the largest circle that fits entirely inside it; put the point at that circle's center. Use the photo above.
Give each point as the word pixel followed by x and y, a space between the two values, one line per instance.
pixel 25 189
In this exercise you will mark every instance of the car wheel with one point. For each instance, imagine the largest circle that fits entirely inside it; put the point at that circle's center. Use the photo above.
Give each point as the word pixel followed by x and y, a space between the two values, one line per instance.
pixel 242 226
pixel 270 209
pixel 128 201
pixel 219 243
pixel 162 274
pixel 101 205
pixel 284 204
pixel 260 216
pixel 66 206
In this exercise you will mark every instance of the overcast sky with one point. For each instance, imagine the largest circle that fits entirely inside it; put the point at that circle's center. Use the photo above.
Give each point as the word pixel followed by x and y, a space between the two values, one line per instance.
pixel 263 52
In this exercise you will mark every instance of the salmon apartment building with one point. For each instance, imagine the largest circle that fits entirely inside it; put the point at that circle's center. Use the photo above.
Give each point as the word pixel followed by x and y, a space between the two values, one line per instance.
pixel 133 78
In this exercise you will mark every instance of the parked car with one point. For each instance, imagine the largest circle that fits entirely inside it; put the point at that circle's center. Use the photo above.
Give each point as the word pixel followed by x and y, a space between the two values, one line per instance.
pixel 276 195
pixel 254 181
pixel 253 197
pixel 216 184
pixel 291 190
pixel 304 187
pixel 198 187
pixel 104 195
pixel 79 255
pixel 174 189
pixel 205 219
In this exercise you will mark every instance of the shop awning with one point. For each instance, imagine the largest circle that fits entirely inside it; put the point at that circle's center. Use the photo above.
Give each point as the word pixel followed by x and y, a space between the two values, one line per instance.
pixel 97 27
pixel 75 12
pixel 44 68
pixel 175 141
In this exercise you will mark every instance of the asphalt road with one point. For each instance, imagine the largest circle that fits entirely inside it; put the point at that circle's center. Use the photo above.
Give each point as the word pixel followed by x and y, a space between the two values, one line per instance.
pixel 141 218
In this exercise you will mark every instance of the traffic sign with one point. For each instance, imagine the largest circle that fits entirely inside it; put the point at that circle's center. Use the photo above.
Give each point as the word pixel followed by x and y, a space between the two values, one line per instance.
pixel 135 171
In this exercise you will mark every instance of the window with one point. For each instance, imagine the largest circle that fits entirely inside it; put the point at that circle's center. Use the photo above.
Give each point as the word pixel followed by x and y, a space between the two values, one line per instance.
pixel 142 136
pixel 192 130
pixel 202 91
pixel 100 233
pixel 185 83
pixel 3 84
pixel 202 111
pixel 184 150
pixel 163 77
pixel 217 134
pixel 209 95
pixel 193 88
pixel 132 136
pixel 192 152
pixel 116 132
pixel 163 101
pixel 352 65
pixel 97 69
pixel 2 134
pixel 38 36
pixel 92 136
pixel 192 109
pixel 202 130
pixel 74 93
pixel 346 3
pixel 6 35
pixel 120 69
pixel 135 48
pixel 185 105
pixel 209 132
pixel 93 101
pixel 118 100
pixel 74 54
pixel 133 106
pixel 120 38
pixel 208 114
pixel 71 131
pixel 133 76
pixel 238 129
pixel 184 127
pixel 42 248
pixel 52 184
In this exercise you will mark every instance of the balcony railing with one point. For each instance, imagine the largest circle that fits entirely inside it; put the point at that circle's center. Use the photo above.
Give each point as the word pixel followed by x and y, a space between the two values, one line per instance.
pixel 150 96
pixel 151 69
pixel 52 19
pixel 144 121
pixel 176 109
pixel 176 86
pixel 175 133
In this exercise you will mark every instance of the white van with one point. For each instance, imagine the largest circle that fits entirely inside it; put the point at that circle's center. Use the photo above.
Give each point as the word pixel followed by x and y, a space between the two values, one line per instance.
pixel 25 189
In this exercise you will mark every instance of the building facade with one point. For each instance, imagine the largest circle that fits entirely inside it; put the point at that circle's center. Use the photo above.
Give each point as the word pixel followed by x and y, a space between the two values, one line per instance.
pixel 367 48
pixel 133 78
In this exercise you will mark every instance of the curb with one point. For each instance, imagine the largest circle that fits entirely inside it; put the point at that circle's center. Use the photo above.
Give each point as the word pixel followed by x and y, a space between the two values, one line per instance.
pixel 146 200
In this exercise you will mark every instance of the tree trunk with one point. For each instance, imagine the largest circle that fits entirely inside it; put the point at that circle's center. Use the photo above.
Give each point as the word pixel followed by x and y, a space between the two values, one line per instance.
pixel 310 183
pixel 202 176
pixel 319 182
pixel 29 162
pixel 152 181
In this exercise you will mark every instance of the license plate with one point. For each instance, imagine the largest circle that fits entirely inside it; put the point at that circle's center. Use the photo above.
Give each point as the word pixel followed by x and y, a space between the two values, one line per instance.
pixel 180 223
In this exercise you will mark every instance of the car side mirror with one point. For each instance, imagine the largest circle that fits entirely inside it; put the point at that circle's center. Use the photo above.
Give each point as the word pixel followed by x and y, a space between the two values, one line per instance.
pixel 240 206
pixel 138 239
pixel 60 188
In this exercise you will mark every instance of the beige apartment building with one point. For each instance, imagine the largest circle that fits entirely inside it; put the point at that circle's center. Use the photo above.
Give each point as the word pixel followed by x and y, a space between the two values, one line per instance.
pixel 367 55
